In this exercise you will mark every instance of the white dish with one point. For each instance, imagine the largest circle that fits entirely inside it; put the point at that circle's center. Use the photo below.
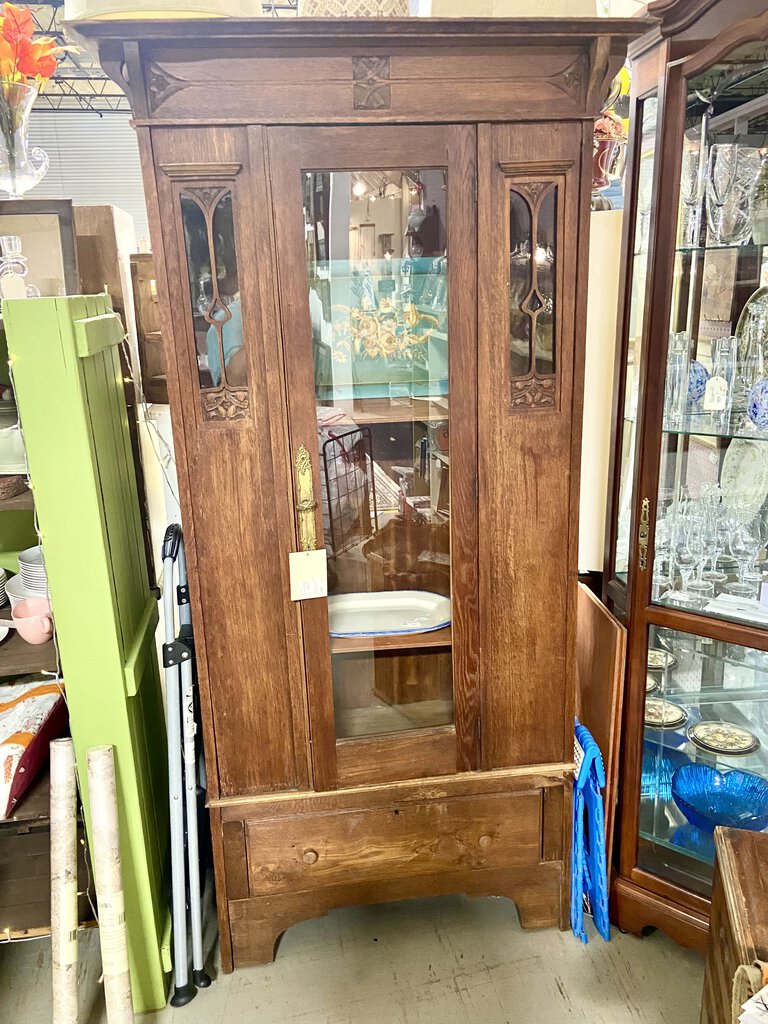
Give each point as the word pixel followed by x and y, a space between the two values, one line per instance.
pixel 744 477
pixel 31 556
pixel 16 591
pixel 392 612
pixel 4 631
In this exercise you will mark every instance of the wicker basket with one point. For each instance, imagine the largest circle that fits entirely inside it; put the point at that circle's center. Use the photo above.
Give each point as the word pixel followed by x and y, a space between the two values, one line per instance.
pixel 10 486
pixel 353 8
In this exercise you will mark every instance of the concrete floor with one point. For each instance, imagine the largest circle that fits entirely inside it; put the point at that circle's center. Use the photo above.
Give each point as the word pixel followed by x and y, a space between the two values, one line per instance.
pixel 441 961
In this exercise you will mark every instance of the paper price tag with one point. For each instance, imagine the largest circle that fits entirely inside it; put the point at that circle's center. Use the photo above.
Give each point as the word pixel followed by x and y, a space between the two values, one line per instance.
pixel 715 394
pixel 309 574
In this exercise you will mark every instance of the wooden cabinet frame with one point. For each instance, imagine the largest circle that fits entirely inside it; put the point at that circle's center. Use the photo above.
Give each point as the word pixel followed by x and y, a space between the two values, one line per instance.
pixel 482 806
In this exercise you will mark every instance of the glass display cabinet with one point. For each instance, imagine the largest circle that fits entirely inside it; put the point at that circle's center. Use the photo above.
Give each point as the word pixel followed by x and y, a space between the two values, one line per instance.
pixel 687 554
pixel 370 273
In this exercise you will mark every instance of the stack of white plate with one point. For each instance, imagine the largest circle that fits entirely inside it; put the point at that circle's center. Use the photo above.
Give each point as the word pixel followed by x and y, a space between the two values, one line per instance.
pixel 15 591
pixel 32 571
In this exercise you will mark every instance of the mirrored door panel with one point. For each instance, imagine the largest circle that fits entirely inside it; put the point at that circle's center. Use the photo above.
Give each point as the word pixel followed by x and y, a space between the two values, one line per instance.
pixel 371 287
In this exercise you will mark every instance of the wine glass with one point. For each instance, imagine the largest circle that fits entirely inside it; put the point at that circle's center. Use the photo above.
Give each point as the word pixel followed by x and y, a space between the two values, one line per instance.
pixel 732 172
pixel 685 562
pixel 716 539
pixel 750 361
pixel 691 188
pixel 698 548
pixel 744 548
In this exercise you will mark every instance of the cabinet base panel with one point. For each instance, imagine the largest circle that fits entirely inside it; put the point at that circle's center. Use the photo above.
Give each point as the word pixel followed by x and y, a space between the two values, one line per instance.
pixel 256 924
pixel 634 909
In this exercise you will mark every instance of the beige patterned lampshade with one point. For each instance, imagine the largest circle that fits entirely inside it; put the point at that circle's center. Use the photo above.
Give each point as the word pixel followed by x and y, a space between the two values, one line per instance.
pixel 353 8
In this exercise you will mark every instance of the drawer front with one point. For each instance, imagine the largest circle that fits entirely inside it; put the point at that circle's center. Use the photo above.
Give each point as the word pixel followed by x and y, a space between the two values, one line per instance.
pixel 294 854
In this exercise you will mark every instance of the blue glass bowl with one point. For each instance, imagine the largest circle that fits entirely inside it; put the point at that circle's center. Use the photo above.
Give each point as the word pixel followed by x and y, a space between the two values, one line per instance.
pixel 659 765
pixel 708 797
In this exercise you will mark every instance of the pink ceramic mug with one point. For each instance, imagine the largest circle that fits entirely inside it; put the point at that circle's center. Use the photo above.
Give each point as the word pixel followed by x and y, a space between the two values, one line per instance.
pixel 33 620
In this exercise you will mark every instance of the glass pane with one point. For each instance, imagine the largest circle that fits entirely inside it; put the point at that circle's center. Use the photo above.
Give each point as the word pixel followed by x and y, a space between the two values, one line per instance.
pixel 647 112
pixel 532 276
pixel 706 712
pixel 712 515
pixel 209 239
pixel 520 278
pixel 546 250
pixel 377 266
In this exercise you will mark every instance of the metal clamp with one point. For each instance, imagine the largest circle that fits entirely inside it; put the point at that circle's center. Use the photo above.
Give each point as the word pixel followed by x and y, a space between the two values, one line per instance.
pixel 175 652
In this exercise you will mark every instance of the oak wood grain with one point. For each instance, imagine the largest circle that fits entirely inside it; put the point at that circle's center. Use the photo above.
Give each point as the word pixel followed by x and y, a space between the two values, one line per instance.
pixel 738 930
pixel 257 923
pixel 525 463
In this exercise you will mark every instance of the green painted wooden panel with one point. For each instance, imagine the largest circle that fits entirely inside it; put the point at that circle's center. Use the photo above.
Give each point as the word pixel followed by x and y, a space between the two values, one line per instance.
pixel 76 432
pixel 97 333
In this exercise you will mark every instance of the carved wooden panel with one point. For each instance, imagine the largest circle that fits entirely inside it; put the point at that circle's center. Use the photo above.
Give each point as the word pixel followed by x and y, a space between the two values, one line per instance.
pixel 532 298
pixel 214 292
pixel 371 89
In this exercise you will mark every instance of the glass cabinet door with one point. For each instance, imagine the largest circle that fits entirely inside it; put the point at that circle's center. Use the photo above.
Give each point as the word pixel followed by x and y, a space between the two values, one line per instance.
pixel 647 111
pixel 705 755
pixel 370 348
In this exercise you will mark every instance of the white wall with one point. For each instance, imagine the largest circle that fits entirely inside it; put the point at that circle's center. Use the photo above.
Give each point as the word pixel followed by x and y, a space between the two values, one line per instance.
pixel 93 161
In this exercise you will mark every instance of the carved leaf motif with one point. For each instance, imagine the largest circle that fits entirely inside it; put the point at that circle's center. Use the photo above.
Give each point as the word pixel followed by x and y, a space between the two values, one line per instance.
pixel 161 84
pixel 532 190
pixel 534 392
pixel 206 197
pixel 371 83
pixel 571 79
pixel 225 404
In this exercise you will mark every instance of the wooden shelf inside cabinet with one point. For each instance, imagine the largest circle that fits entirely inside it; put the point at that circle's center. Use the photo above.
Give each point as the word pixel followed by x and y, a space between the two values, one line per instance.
pixel 392 642
pixel 18 658
pixel 23 502
pixel 387 410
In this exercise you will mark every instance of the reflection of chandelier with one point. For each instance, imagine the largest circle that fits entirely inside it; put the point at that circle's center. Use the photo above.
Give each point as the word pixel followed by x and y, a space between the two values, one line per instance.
pixel 386 332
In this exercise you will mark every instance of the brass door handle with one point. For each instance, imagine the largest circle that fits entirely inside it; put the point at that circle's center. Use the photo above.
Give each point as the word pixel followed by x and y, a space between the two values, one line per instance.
pixel 643 535
pixel 305 504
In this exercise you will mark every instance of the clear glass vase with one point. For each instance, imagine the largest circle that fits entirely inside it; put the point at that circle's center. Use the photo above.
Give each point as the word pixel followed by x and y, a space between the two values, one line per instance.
pixel 21 168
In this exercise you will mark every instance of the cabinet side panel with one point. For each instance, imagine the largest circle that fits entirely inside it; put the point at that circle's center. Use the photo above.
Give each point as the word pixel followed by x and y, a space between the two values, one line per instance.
pixel 528 195
pixel 233 440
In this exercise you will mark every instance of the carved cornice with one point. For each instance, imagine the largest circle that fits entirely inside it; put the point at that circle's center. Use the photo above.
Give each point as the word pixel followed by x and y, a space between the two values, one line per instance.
pixel 197 172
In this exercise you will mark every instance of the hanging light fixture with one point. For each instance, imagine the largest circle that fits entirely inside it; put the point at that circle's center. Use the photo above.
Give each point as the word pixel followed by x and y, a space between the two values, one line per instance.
pixel 358 188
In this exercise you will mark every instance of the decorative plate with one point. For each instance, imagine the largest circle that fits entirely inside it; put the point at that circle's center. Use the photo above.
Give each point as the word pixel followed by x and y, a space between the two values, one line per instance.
pixel 723 738
pixel 698 375
pixel 651 683
pixel 663 714
pixel 741 326
pixel 744 477
pixel 659 659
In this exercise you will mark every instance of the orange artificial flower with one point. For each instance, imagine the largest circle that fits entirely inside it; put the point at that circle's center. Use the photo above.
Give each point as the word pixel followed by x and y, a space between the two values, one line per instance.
pixel 37 57
pixel 17 23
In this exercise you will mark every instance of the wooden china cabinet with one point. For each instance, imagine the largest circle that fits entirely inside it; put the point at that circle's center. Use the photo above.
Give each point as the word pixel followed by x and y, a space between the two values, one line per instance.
pixel 370 240
pixel 687 520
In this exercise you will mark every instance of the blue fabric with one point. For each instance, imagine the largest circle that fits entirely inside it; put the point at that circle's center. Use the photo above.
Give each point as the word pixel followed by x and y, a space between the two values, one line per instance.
pixel 231 339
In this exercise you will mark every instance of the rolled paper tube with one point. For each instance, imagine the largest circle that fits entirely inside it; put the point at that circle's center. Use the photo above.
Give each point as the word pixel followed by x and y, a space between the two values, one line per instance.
pixel 63 882
pixel 105 834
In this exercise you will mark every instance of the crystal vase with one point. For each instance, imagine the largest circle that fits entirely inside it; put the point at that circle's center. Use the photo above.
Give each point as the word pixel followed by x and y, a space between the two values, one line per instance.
pixel 21 168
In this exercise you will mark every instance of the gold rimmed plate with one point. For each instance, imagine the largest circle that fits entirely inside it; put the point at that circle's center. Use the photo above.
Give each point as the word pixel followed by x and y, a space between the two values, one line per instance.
pixel 723 738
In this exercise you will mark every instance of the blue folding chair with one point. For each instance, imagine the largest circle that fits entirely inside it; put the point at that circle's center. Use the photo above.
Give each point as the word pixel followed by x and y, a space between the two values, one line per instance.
pixel 589 872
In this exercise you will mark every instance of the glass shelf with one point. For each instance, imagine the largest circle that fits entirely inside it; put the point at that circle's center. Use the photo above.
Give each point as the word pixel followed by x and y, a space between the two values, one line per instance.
pixel 751 247
pixel 700 425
